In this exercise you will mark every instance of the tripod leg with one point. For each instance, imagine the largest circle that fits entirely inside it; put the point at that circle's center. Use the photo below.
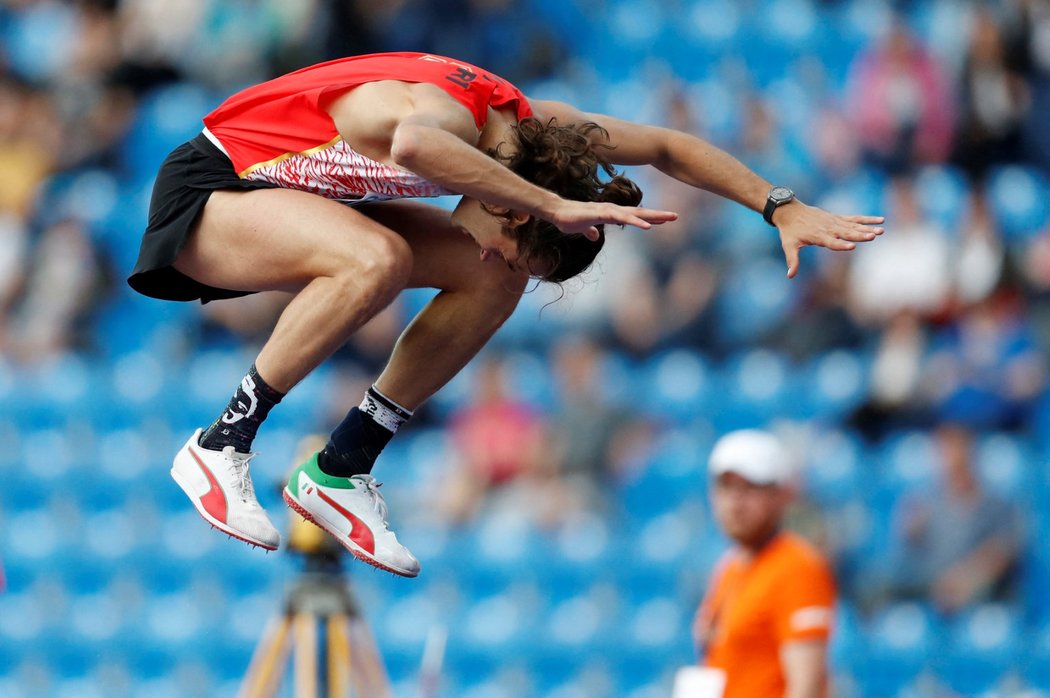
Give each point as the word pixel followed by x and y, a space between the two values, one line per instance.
pixel 368 665
pixel 338 657
pixel 268 661
pixel 304 630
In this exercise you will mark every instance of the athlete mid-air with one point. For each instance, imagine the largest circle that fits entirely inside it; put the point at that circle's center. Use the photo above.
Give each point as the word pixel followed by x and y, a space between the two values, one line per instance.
pixel 258 201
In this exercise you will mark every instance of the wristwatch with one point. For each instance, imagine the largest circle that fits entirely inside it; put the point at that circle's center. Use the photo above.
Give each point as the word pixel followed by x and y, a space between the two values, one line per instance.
pixel 777 197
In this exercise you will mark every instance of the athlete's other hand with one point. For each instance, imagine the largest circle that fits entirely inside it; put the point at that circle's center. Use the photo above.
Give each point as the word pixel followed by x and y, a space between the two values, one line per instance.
pixel 801 225
pixel 576 217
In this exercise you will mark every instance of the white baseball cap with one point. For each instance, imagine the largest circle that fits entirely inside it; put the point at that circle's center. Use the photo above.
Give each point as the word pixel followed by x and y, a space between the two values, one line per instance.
pixel 757 456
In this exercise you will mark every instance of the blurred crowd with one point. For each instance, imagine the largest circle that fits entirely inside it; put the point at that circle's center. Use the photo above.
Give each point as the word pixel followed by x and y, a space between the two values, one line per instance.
pixel 935 115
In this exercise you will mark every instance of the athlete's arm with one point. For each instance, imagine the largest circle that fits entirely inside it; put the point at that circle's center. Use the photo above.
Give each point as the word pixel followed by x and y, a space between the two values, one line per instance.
pixel 422 146
pixel 696 162
pixel 434 136
pixel 804 663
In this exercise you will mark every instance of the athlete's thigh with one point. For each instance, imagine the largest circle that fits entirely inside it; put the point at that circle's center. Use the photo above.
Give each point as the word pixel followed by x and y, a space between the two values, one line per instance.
pixel 443 256
pixel 281 239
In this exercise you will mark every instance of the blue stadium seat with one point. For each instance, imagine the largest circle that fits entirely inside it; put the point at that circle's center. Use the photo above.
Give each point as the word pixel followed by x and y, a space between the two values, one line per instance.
pixel 67 657
pixel 1035 567
pixel 575 630
pixel 942 193
pixel 121 232
pixel 500 549
pixel 675 473
pixel 835 384
pixel 847 641
pixel 85 572
pixel 707 30
pixel 1034 658
pixel 39 40
pixel 22 625
pixel 454 396
pixel 909 461
pixel 758 386
pixel 530 379
pixel 1018 203
pixel 983 645
pixel 167 117
pixel 660 625
pixel 578 551
pixel 1006 465
pixel 834 469
pixel 592 676
pixel 901 640
pixel 679 386
pixel 667 541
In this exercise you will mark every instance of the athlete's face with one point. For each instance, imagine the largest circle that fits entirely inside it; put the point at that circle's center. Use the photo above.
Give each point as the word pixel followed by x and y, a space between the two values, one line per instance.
pixel 487 231
pixel 748 513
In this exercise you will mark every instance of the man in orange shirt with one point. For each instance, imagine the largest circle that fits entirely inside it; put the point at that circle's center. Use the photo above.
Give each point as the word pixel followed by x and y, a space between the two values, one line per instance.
pixel 766 618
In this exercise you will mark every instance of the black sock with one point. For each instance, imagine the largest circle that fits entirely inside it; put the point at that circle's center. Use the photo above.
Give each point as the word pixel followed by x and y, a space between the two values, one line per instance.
pixel 248 407
pixel 361 436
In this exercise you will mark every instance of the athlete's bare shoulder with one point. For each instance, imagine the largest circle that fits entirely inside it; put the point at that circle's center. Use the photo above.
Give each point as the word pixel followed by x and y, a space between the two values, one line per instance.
pixel 565 113
pixel 368 115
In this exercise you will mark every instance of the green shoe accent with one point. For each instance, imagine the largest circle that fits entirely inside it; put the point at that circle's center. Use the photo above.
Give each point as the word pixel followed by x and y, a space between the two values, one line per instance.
pixel 314 472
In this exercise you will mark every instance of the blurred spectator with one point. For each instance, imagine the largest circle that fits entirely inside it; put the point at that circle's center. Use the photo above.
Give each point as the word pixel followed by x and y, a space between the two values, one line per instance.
pixel 14 244
pixel 665 298
pixel 820 320
pixel 767 614
pixel 893 397
pixel 665 295
pixel 1033 266
pixel 766 145
pixel 981 258
pixel 498 444
pixel 901 102
pixel 986 369
pixel 593 442
pixel 957 545
pixel 30 143
pixel 1036 135
pixel 993 100
pixel 907 383
pixel 249 321
pixel 908 271
pixel 834 143
pixel 66 279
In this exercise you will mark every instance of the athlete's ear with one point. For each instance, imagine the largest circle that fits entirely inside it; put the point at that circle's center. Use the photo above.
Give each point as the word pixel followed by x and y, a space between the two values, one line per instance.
pixel 518 218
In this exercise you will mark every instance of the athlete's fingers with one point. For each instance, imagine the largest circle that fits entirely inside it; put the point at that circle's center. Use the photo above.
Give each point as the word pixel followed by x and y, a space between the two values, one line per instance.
pixel 866 220
pixel 857 234
pixel 645 218
pixel 653 215
pixel 838 244
pixel 791 253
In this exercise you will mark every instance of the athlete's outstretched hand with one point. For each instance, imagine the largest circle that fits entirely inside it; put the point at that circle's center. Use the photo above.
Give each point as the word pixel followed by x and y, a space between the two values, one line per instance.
pixel 801 225
pixel 574 217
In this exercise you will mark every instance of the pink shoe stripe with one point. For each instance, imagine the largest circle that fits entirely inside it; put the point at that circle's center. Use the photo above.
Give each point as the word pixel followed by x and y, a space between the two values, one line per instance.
pixel 214 500
pixel 360 533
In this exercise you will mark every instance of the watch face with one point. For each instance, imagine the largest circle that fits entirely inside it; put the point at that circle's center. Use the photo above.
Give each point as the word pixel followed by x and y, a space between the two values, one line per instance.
pixel 780 194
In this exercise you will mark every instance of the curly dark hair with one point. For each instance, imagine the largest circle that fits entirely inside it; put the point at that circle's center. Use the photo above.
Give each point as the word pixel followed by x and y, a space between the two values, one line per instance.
pixel 568 161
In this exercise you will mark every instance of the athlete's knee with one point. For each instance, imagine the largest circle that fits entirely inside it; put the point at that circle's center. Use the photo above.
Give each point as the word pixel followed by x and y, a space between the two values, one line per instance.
pixel 379 270
pixel 383 262
pixel 388 261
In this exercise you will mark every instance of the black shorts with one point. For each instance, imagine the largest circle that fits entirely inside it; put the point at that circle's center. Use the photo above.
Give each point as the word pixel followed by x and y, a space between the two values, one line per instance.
pixel 186 179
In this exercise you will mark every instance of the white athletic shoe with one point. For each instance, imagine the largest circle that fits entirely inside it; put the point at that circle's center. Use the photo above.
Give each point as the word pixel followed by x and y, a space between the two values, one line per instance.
pixel 220 487
pixel 352 510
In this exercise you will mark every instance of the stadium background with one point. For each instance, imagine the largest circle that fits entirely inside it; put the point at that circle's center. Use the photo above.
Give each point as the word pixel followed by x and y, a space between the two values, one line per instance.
pixel 577 574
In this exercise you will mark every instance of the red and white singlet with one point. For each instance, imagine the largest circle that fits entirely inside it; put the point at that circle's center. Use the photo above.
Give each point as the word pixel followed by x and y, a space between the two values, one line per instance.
pixel 279 131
